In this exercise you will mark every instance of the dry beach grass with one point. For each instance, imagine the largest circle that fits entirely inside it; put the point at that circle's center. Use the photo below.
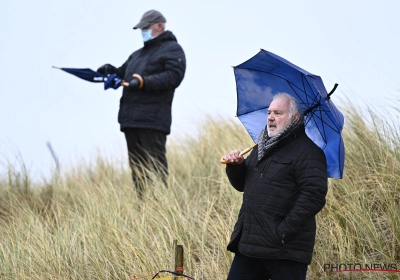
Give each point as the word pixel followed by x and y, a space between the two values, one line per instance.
pixel 87 223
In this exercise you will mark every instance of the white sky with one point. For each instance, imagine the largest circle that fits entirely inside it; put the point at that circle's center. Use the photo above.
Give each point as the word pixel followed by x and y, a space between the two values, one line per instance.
pixel 353 43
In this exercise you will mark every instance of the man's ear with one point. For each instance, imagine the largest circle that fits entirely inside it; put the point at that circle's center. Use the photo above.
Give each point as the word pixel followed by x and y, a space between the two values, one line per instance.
pixel 296 117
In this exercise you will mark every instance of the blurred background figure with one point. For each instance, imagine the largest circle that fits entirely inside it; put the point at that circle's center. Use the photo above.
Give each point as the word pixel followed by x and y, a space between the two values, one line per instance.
pixel 153 73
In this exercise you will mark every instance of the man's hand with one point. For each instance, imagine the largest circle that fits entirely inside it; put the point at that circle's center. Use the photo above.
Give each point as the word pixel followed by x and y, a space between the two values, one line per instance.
pixel 134 83
pixel 234 157
pixel 107 69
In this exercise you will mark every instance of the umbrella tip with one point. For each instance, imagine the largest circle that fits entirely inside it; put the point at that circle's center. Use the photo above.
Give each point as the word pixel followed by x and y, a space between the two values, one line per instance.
pixel 55 67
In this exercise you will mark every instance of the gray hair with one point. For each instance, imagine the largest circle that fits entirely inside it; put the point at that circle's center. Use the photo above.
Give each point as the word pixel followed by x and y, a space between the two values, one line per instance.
pixel 295 107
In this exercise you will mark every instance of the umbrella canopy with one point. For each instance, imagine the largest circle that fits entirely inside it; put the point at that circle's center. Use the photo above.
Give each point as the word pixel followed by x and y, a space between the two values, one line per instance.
pixel 266 74
pixel 87 74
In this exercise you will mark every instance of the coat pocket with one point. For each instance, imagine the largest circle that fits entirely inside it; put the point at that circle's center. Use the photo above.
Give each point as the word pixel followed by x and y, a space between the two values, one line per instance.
pixel 267 228
pixel 282 169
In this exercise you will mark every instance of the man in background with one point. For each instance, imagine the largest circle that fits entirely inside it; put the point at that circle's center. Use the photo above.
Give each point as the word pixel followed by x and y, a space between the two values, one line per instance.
pixel 284 184
pixel 153 73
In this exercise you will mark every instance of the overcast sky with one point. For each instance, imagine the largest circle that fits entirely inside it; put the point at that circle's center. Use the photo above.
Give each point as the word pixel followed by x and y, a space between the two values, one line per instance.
pixel 353 43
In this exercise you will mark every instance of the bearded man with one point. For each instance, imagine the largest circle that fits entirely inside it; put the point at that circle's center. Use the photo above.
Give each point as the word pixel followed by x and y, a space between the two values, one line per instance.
pixel 284 184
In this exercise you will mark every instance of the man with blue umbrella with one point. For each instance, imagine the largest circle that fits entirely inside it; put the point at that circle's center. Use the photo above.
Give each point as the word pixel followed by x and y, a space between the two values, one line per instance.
pixel 153 73
pixel 284 184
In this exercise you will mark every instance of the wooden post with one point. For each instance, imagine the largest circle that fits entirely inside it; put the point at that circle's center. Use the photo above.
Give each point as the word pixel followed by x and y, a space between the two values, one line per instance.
pixel 179 259
pixel 174 244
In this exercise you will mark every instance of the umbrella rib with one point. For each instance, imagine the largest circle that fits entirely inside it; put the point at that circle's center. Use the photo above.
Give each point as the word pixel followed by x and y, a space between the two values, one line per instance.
pixel 327 124
pixel 306 104
pixel 303 78
pixel 320 106
pixel 248 112
pixel 302 90
pixel 319 110
pixel 291 86
pixel 335 128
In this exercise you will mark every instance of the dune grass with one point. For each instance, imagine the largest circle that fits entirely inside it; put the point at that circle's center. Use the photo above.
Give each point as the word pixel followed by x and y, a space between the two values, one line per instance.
pixel 87 222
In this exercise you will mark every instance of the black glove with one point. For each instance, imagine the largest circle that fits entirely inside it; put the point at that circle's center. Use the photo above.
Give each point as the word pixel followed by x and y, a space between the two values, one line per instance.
pixel 107 69
pixel 134 83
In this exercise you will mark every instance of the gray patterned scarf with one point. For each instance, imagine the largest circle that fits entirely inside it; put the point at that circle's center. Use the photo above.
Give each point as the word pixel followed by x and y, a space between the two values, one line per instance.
pixel 265 142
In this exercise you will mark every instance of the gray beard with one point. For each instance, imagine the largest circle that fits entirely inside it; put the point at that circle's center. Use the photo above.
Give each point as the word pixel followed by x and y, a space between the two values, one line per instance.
pixel 266 143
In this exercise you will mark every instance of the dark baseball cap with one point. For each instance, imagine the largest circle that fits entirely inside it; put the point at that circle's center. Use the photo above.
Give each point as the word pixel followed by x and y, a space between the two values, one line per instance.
pixel 149 17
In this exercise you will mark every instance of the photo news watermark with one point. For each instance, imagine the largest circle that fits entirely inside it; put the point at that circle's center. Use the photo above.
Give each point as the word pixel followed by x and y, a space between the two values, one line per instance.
pixel 359 267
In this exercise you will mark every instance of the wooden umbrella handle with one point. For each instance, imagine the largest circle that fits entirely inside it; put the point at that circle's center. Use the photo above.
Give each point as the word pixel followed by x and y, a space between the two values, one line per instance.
pixel 137 76
pixel 242 153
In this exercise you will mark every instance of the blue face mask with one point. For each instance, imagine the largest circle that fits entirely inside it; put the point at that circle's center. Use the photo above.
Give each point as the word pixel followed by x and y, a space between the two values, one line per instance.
pixel 146 34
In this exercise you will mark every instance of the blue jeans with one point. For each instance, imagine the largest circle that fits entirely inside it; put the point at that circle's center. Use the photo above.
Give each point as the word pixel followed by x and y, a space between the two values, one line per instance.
pixel 247 268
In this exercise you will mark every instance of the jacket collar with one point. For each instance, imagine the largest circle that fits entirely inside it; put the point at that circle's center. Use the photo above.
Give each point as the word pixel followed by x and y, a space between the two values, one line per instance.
pixel 290 137
pixel 165 36
pixel 293 135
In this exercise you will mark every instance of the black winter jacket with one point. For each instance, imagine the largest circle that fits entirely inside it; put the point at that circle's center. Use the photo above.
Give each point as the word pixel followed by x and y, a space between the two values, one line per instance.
pixel 282 194
pixel 162 64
